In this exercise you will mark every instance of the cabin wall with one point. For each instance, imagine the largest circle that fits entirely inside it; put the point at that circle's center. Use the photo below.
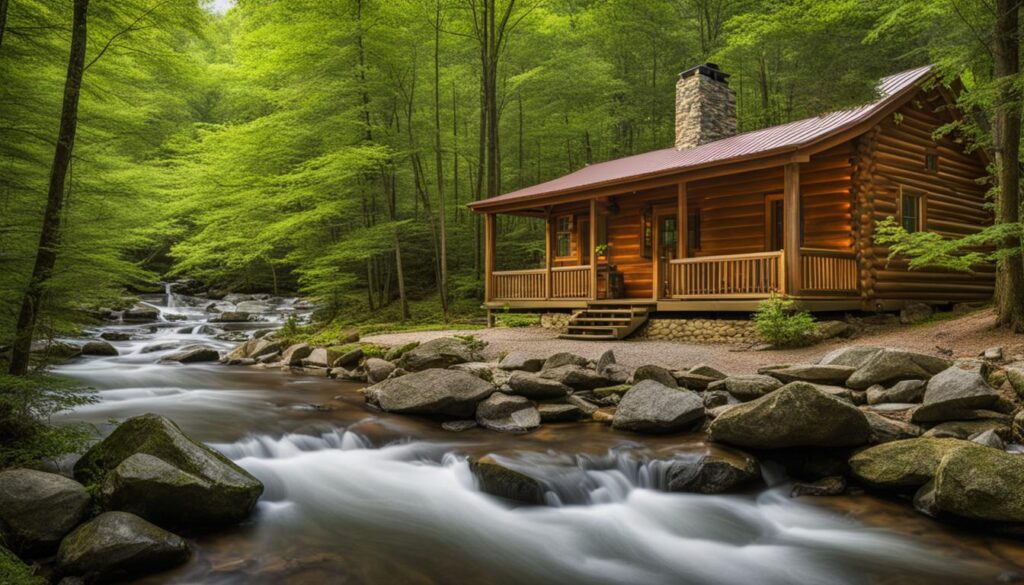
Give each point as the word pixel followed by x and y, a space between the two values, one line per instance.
pixel 732 211
pixel 953 204
pixel 825 184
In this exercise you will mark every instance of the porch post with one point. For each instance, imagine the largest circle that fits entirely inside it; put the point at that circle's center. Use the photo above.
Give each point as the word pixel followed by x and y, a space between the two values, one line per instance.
pixel 590 253
pixel 547 254
pixel 681 233
pixel 791 208
pixel 488 254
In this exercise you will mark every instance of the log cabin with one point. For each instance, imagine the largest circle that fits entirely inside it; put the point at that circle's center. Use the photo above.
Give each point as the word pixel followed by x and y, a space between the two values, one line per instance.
pixel 721 221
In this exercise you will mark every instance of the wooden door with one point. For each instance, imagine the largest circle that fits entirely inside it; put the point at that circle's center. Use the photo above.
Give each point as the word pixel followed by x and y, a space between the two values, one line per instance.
pixel 666 237
pixel 774 222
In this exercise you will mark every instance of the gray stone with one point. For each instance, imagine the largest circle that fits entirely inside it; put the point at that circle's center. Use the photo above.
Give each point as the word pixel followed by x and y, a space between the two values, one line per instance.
pixel 442 352
pixel 395 353
pixel 576 377
pixel 909 463
pixel 982 484
pixel 508 414
pixel 965 429
pixel 141 313
pixel 832 485
pixel 952 392
pixel 693 381
pixel 119 545
pixel 715 398
pixel 989 438
pixel 155 347
pixel 349 358
pixel 884 429
pixel 711 474
pixel 915 313
pixel 37 509
pixel 616 373
pixel 993 353
pixel 536 387
pixel 231 317
pixel 559 412
pixel 587 407
pixel 1015 375
pixel 520 361
pixel 751 386
pixel 97 347
pixel 435 391
pixel 377 370
pixel 116 335
pixel 193 354
pixel 177 481
pixel 652 407
pixel 498 479
pixel 483 370
pixel 564 359
pixel 707 371
pixel 458 426
pixel 889 366
pixel 705 109
pixel 607 359
pixel 253 307
pixel 902 392
pixel 830 329
pixel 796 415
pixel 316 358
pixel 815 373
pixel 294 354
pixel 656 373
pixel 853 356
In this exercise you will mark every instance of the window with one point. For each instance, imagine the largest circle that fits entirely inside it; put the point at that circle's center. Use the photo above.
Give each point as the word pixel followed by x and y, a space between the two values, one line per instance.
pixel 931 160
pixel 668 232
pixel 775 222
pixel 647 233
pixel 584 227
pixel 911 211
pixel 563 236
pixel 692 232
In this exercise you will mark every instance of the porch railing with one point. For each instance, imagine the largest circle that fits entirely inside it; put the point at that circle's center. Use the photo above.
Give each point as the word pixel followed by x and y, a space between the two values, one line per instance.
pixel 828 272
pixel 567 282
pixel 736 276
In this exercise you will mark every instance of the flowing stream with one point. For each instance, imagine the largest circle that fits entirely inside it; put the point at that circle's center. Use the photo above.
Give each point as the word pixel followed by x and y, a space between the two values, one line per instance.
pixel 354 496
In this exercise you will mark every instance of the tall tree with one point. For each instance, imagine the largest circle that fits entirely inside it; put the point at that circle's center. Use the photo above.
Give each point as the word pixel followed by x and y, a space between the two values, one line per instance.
pixel 49 238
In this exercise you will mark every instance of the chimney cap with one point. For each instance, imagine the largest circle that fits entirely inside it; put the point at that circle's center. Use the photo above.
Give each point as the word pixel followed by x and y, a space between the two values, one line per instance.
pixel 710 70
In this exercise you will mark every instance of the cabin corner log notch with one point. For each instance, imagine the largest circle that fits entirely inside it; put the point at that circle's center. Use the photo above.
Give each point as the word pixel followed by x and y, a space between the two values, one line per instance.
pixel 785 210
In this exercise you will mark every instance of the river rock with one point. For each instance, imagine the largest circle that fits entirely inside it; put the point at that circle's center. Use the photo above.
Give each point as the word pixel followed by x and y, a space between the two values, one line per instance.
pixel 536 387
pixel 750 386
pixel 707 371
pixel 483 370
pixel 832 485
pixel 349 358
pixel 716 398
pixel 607 359
pixel 253 307
pixel 395 353
pixel 435 392
pixel 656 373
pixel 163 346
pixel 914 312
pixel 980 483
pixel 909 463
pixel 521 361
pixel 853 356
pixel 815 373
pixel 652 407
pixel 587 407
pixel 141 312
pixel 179 482
pixel 193 354
pixel 711 474
pixel 97 347
pixel 1015 375
pixel 964 429
pixel 901 392
pixel 55 349
pixel 37 509
pixel 458 426
pixel 796 415
pixel 294 354
pixel 507 414
pixel 692 381
pixel 565 359
pixel 442 352
pixel 497 479
pixel 884 429
pixel 559 412
pixel 952 392
pixel 576 377
pixel 231 317
pixel 888 366
pixel 316 358
pixel 116 335
pixel 119 545
pixel 989 438
pixel 377 370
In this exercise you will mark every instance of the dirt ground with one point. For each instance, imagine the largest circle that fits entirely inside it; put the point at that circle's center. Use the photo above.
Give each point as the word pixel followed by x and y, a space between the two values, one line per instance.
pixel 964 336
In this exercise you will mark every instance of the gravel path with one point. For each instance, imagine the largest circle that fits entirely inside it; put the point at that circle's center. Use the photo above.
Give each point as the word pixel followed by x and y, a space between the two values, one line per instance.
pixel 964 336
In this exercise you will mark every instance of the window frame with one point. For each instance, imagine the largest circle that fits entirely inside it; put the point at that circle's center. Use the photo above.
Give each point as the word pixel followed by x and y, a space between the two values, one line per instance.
pixel 931 154
pixel 693 221
pixel 921 218
pixel 569 232
pixel 769 200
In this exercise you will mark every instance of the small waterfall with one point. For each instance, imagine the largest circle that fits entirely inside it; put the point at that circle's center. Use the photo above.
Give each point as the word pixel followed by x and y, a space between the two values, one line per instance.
pixel 171 301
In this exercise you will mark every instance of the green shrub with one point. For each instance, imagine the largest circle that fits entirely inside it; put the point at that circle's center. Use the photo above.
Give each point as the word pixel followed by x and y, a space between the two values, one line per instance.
pixel 27 436
pixel 779 323
pixel 517 319
pixel 15 572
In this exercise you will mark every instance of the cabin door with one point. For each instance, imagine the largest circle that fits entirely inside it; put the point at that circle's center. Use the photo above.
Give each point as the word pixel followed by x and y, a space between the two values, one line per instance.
pixel 775 222
pixel 667 238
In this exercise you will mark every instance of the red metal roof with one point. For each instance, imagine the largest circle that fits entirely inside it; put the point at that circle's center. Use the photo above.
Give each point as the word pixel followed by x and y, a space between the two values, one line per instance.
pixel 791 136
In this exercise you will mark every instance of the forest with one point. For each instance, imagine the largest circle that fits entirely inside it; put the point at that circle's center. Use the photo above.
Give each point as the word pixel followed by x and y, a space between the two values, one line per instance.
pixel 328 147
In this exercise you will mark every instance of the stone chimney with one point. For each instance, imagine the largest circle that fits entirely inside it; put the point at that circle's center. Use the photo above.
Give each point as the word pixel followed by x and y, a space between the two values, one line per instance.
pixel 705 106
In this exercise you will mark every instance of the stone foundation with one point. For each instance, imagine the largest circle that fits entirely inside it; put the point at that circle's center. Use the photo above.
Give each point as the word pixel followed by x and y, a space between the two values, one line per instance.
pixel 699 330
pixel 555 321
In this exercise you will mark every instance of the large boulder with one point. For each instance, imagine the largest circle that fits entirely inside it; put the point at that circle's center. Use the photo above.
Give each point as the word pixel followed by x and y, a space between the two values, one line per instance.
pixel 178 481
pixel 141 312
pixel 815 373
pixel 317 358
pixel 37 509
pixel 796 415
pixel 552 412
pixel 294 354
pixel 119 545
pixel 231 317
pixel 564 359
pixel 887 366
pixel 507 414
pixel 377 370
pixel 536 387
pixel 191 354
pixel 950 394
pixel 909 463
pixel 576 377
pixel 901 392
pixel 711 474
pixel 498 479
pixel 656 373
pixel 442 352
pixel 98 347
pixel 884 429
pixel 521 361
pixel 749 387
pixel 981 483
pixel 436 392
pixel 652 407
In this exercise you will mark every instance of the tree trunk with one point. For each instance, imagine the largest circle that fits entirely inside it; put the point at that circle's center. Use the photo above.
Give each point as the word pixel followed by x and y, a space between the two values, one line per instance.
pixel 49 238
pixel 1006 140
pixel 442 287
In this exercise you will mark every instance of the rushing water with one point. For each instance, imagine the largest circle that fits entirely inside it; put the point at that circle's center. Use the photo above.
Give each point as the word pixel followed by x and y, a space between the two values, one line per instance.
pixel 354 496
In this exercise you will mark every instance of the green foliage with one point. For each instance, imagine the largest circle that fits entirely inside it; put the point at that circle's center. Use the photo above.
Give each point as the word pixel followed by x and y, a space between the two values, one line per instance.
pixel 516 319
pixel 27 403
pixel 932 250
pixel 14 572
pixel 779 323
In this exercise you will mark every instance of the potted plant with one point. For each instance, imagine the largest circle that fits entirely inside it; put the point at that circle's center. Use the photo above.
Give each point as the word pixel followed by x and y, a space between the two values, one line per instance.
pixel 601 252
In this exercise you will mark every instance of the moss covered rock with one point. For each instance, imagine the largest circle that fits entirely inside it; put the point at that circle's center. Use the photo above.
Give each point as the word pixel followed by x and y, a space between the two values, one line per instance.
pixel 909 463
pixel 498 479
pixel 14 572
pixel 37 509
pixel 119 545
pixel 981 483
pixel 443 352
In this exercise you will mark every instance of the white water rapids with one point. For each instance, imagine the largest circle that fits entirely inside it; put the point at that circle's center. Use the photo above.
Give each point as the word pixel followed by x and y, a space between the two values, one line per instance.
pixel 354 496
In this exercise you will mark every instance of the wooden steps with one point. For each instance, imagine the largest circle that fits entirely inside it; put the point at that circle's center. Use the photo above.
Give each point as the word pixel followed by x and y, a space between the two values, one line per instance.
pixel 607 321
